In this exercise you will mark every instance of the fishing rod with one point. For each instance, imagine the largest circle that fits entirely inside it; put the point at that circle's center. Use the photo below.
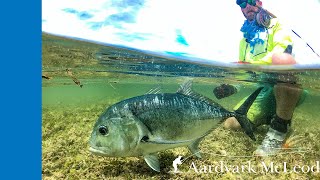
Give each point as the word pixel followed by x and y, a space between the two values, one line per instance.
pixel 274 16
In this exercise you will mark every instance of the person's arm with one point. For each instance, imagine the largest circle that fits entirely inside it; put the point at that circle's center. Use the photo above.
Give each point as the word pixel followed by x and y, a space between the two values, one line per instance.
pixel 280 40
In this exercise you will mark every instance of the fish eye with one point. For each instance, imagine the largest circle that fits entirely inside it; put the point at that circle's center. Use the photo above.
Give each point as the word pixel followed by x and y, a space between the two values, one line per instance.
pixel 103 130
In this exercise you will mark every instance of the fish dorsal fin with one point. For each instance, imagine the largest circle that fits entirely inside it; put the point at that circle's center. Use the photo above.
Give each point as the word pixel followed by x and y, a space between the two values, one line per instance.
pixel 153 161
pixel 156 90
pixel 185 89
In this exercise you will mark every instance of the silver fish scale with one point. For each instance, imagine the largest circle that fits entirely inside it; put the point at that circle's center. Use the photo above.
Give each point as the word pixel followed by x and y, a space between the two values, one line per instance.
pixel 173 115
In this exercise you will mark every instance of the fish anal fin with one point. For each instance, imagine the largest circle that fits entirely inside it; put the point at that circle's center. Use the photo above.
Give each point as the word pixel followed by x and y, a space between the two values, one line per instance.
pixel 152 161
pixel 194 147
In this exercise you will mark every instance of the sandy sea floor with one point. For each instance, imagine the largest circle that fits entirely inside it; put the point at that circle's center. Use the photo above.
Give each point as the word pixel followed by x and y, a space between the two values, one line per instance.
pixel 65 154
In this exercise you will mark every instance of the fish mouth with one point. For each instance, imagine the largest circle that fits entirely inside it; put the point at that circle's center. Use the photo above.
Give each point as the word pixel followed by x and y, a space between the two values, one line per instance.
pixel 98 151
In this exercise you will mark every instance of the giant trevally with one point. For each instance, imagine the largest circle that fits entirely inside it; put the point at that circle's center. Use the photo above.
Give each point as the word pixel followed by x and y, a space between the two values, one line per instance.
pixel 147 124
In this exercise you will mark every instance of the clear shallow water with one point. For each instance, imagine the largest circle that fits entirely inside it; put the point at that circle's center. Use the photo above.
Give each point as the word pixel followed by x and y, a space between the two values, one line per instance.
pixel 111 74
pixel 109 71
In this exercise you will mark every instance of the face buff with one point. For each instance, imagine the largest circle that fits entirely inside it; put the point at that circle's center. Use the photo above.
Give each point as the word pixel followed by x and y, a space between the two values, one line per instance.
pixel 252 29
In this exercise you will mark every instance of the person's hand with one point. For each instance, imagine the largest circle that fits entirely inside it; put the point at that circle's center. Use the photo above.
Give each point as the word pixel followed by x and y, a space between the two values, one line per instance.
pixel 283 59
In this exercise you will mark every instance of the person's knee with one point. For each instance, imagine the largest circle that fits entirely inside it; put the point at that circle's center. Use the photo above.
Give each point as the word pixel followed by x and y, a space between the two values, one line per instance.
pixel 287 92
pixel 287 97
pixel 231 123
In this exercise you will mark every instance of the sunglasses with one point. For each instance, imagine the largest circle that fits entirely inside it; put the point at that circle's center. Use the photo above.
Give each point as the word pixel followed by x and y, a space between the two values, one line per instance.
pixel 243 3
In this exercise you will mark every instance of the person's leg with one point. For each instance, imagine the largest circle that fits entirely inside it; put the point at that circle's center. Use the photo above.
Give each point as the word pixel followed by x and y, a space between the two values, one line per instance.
pixel 260 112
pixel 287 97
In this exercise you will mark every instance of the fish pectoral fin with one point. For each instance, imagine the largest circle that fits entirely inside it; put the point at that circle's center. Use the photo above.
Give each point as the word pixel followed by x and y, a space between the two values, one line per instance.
pixel 153 161
pixel 194 147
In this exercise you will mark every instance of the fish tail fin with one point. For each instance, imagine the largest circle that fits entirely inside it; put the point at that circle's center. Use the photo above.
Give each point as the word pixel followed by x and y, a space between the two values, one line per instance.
pixel 241 114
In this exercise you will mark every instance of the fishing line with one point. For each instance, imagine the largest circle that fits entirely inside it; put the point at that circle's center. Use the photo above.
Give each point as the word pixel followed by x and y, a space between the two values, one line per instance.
pixel 190 156
pixel 306 43
pixel 272 15
pixel 112 86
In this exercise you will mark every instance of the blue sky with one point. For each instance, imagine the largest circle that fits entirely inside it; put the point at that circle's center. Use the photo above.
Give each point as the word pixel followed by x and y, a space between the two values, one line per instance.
pixel 203 28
